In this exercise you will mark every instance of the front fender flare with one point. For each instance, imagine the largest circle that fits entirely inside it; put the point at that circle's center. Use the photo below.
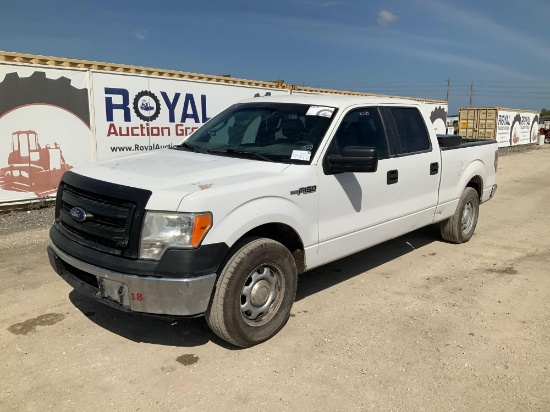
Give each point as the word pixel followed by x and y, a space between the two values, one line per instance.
pixel 265 210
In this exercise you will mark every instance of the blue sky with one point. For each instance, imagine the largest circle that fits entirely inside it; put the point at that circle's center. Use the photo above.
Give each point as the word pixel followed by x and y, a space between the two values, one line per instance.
pixel 400 47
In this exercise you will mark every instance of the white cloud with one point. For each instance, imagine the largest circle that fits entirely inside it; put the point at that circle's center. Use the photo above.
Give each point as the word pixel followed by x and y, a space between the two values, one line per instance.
pixel 386 17
pixel 141 34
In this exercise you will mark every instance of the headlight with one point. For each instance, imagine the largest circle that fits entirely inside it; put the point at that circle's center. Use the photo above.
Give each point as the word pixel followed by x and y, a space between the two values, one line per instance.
pixel 162 230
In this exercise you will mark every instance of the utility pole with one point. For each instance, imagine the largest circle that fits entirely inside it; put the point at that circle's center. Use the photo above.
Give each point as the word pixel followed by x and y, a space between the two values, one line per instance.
pixel 471 93
pixel 448 88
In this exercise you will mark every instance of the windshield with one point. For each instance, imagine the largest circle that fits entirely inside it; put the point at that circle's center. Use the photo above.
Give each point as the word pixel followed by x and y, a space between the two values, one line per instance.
pixel 279 132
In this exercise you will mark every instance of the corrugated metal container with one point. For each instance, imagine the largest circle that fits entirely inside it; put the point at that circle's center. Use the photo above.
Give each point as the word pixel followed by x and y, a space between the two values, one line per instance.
pixel 509 127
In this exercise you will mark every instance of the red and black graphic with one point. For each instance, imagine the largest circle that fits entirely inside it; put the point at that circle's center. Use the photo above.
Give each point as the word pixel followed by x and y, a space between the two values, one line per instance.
pixel 515 130
pixel 534 133
pixel 32 168
pixel 32 160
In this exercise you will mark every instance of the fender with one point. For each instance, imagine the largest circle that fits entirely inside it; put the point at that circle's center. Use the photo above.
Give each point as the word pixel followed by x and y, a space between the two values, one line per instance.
pixel 450 189
pixel 261 211
pixel 475 168
pixel 450 195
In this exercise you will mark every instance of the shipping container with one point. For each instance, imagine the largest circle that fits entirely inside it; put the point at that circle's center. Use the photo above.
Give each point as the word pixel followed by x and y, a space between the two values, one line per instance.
pixel 509 127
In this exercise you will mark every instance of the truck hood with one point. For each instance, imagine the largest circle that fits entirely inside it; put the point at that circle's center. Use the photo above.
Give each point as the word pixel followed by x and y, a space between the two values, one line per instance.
pixel 171 174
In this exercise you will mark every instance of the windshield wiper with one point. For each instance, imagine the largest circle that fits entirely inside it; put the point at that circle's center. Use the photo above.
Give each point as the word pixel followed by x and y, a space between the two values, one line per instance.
pixel 189 146
pixel 251 155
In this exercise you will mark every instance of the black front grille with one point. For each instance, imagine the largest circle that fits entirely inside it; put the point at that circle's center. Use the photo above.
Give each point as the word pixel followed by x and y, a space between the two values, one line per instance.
pixel 108 224
pixel 114 214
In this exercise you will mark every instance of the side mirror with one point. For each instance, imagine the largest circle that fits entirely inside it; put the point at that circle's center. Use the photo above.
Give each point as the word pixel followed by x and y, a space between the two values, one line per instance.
pixel 354 159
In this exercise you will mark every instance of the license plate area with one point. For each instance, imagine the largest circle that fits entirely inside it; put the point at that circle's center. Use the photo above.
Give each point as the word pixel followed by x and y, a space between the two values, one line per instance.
pixel 114 291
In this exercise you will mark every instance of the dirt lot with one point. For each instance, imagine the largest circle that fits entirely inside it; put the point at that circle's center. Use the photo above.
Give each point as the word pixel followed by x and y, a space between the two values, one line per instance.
pixel 414 324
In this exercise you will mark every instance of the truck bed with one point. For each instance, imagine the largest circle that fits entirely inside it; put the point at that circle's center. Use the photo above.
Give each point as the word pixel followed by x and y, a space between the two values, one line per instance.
pixel 451 142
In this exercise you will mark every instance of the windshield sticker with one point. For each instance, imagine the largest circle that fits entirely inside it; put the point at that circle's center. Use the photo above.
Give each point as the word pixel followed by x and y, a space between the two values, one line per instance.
pixel 322 111
pixel 301 155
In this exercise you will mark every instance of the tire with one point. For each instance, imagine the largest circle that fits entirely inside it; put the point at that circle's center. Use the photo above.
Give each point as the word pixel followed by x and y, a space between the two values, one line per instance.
pixel 460 227
pixel 547 140
pixel 254 293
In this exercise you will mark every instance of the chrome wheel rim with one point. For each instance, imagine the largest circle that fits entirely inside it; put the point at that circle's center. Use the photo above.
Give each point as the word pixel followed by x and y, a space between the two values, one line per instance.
pixel 262 294
pixel 468 217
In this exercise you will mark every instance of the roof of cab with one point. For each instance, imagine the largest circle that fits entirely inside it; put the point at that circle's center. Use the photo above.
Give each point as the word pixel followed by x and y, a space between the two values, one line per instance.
pixel 332 100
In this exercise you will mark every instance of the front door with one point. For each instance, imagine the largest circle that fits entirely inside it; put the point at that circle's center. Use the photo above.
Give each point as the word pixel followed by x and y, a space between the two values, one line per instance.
pixel 356 209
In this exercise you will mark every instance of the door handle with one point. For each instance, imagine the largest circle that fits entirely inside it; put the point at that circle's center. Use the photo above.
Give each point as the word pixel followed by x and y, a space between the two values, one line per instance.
pixel 393 177
pixel 434 168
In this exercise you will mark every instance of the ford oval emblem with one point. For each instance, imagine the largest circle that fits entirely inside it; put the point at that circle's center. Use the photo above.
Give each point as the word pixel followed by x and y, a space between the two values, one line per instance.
pixel 79 214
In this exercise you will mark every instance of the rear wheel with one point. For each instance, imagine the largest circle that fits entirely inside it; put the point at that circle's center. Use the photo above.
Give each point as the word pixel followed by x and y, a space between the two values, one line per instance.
pixel 460 227
pixel 254 293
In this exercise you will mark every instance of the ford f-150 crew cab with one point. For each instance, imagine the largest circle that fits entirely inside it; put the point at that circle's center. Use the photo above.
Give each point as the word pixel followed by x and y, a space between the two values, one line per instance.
pixel 222 224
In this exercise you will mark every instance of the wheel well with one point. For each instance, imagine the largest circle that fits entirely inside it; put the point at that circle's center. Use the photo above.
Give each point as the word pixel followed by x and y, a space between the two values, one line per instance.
pixel 285 235
pixel 476 183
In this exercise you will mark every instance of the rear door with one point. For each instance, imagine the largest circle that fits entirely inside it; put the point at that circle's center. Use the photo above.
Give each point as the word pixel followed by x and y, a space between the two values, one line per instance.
pixel 419 167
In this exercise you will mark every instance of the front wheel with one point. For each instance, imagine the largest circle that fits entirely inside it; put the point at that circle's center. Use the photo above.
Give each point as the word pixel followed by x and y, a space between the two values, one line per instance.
pixel 460 227
pixel 254 293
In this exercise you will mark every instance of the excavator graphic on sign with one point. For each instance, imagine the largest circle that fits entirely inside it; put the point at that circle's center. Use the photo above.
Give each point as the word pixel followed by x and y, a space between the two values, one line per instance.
pixel 32 168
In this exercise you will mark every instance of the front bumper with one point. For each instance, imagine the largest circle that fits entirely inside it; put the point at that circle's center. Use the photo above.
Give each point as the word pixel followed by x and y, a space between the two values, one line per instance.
pixel 145 294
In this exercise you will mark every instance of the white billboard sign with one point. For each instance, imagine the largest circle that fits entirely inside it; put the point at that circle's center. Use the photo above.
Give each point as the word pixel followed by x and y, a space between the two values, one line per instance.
pixel 44 129
pixel 138 113
pixel 516 128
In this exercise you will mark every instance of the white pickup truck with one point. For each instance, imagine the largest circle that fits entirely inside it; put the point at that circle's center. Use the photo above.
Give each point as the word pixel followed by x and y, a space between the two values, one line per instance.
pixel 222 224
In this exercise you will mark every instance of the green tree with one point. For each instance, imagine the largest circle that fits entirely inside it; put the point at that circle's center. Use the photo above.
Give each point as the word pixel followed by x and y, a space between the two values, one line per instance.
pixel 544 112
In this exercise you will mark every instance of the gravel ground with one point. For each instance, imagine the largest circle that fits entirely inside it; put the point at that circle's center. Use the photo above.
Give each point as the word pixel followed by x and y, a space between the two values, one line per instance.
pixel 25 220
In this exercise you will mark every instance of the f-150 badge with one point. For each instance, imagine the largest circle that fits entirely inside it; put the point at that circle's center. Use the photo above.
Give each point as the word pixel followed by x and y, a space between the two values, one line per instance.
pixel 304 190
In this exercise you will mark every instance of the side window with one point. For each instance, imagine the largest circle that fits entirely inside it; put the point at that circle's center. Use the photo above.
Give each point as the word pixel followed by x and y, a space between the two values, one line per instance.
pixel 362 127
pixel 411 129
